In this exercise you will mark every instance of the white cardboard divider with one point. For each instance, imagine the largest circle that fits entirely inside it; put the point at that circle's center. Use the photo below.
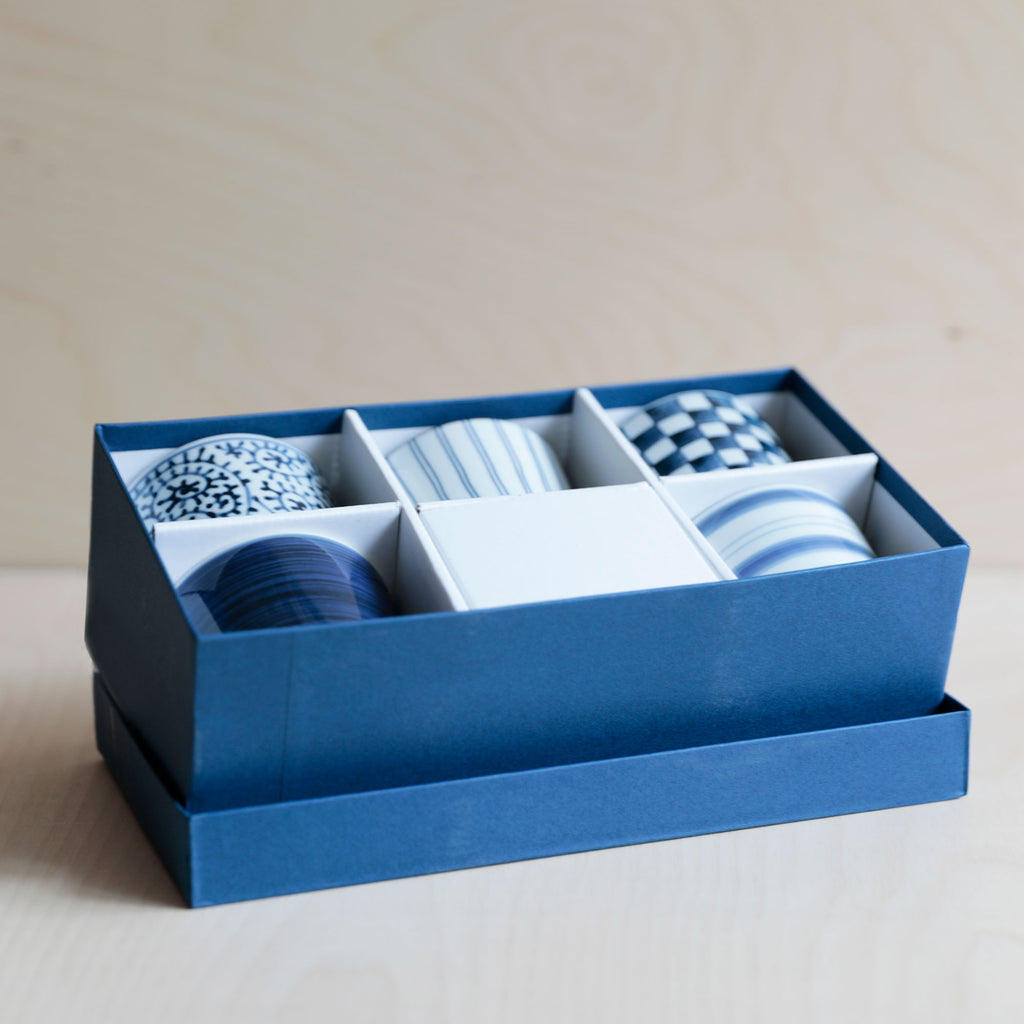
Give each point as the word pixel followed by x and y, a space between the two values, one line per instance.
pixel 599 453
pixel 891 530
pixel 363 475
pixel 802 434
pixel 423 576
pixel 606 456
pixel 424 582
pixel 559 544
pixel 132 464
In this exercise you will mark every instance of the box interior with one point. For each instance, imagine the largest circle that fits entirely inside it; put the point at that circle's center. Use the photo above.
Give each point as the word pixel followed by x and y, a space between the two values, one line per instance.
pixel 442 556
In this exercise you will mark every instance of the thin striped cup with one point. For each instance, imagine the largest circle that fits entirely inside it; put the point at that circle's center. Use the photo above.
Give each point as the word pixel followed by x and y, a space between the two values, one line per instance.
pixel 768 530
pixel 477 458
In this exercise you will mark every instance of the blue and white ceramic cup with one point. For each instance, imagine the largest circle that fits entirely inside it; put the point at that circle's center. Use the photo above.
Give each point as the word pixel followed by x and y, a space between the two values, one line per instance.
pixel 477 458
pixel 698 431
pixel 228 475
pixel 780 529
pixel 283 581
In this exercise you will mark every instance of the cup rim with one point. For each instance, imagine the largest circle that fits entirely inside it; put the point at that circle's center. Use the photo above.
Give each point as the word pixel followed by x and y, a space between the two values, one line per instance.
pixel 237 545
pixel 471 419
pixel 720 508
pixel 813 492
pixel 231 435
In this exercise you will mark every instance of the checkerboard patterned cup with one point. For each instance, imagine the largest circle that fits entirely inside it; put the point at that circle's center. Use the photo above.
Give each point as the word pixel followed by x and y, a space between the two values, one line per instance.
pixel 698 431
pixel 283 581
pixel 477 458
pixel 228 475
pixel 768 530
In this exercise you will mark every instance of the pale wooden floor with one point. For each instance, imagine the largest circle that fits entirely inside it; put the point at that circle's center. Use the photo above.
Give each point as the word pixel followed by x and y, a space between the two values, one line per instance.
pixel 913 914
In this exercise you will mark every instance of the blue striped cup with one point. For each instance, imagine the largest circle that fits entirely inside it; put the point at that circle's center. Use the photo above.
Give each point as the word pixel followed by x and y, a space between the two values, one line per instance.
pixel 477 458
pixel 781 529
pixel 283 581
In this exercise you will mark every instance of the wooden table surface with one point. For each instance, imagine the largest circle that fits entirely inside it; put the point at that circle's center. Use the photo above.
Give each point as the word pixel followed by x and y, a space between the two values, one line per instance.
pixel 910 914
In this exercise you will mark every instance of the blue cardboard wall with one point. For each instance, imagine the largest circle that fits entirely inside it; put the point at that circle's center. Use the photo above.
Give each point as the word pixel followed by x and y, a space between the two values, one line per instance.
pixel 267 716
pixel 252 852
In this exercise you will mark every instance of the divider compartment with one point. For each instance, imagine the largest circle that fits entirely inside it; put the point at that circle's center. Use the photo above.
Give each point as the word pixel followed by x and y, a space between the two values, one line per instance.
pixel 806 427
pixel 340 454
pixel 582 439
pixel 561 544
pixel 850 480
pixel 411 570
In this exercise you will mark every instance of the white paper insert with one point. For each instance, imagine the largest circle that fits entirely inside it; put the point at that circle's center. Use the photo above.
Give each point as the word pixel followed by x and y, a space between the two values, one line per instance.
pixel 542 547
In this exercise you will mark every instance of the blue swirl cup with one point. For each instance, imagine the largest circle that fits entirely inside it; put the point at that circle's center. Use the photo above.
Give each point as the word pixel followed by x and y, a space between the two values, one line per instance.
pixel 283 581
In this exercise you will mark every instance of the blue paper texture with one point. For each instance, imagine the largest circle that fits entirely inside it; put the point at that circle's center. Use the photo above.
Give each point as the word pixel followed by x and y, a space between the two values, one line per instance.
pixel 251 852
pixel 431 741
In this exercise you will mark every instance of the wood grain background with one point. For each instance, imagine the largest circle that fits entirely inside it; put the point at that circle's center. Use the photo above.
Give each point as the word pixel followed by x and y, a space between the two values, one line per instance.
pixel 214 206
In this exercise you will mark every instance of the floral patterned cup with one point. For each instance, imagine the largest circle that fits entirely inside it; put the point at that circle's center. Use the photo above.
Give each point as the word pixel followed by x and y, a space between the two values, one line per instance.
pixel 283 581
pixel 228 475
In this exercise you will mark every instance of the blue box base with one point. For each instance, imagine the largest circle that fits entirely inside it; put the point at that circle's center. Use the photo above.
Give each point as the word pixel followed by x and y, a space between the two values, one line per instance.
pixel 271 849
pixel 263 717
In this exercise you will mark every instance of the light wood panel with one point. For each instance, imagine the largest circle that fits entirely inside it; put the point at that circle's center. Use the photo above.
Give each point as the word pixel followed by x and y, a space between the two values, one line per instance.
pixel 215 206
pixel 912 915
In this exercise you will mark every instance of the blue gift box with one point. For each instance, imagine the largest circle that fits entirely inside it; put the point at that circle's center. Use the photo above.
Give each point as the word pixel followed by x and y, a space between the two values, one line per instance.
pixel 293 846
pixel 245 747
